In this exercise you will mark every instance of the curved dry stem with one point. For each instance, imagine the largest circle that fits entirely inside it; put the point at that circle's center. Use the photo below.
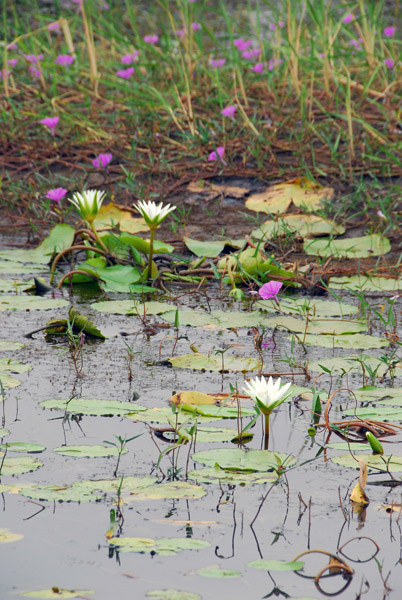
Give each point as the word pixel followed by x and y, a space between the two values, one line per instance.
pixel 70 249
pixel 76 272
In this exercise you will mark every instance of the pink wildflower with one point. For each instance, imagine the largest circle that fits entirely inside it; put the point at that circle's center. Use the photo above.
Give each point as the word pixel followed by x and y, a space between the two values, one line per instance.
pixel 12 62
pixel 258 67
pixel 242 44
pixel 51 123
pixel 348 19
pixel 33 59
pixel 151 39
pixel 102 160
pixel 128 59
pixel 270 290
pixel 229 111
pixel 272 26
pixel 4 73
pixel 251 54
pixel 181 33
pixel 54 26
pixel 281 24
pixel 388 62
pixel 64 60
pixel 125 73
pixel 196 26
pixel 220 151
pixel 389 31
pixel 12 47
pixel 33 71
pixel 217 62
pixel 57 194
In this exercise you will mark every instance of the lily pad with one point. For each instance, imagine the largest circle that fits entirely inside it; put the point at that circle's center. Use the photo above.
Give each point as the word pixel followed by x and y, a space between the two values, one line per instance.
pixel 205 434
pixel 15 285
pixel 380 395
pixel 83 451
pixel 355 340
pixel 218 476
pixel 377 413
pixel 163 546
pixel 352 363
pixel 318 326
pixel 276 565
pixel 117 278
pixel 241 460
pixel 30 303
pixel 221 412
pixel 128 307
pixel 21 447
pixel 110 216
pixel 12 267
pixel 8 365
pixel 6 345
pixel 220 318
pixel 301 192
pixel 8 382
pixel 84 406
pixel 207 362
pixel 57 593
pixel 209 249
pixel 60 238
pixel 164 416
pixel 217 573
pixel 172 489
pixel 313 307
pixel 6 536
pixel 306 226
pixel 369 284
pixel 172 595
pixel 4 432
pixel 361 247
pixel 18 465
pixel 392 464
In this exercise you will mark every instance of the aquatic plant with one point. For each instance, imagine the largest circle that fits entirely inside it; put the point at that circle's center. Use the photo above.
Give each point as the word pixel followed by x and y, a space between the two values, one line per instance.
pixel 267 395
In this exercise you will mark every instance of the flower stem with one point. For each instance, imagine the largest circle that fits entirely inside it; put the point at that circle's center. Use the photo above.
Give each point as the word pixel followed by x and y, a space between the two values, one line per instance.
pixel 96 234
pixel 151 253
pixel 266 431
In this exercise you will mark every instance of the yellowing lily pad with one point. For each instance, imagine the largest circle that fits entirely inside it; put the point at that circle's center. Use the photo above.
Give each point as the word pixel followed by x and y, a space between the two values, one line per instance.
pixel 110 216
pixel 163 546
pixel 15 285
pixel 12 366
pixel 7 536
pixel 301 192
pixel 21 447
pixel 362 247
pixel 306 226
pixel 57 593
pixel 213 362
pixel 6 345
pixel 8 382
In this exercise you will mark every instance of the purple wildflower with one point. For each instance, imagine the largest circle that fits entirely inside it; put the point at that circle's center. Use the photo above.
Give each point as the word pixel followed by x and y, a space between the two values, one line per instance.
pixel 242 44
pixel 348 19
pixel 388 62
pixel 33 59
pixel 64 60
pixel 12 62
pixel 57 194
pixel 270 290
pixel 220 151
pixel 389 31
pixel 54 26
pixel 33 71
pixel 258 67
pixel 252 53
pixel 196 26
pixel 51 123
pixel 229 111
pixel 102 160
pixel 125 73
pixel 12 47
pixel 217 62
pixel 128 59
pixel 151 39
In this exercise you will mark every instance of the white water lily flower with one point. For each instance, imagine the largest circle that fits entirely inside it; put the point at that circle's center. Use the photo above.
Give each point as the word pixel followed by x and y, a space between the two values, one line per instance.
pixel 88 203
pixel 152 213
pixel 267 394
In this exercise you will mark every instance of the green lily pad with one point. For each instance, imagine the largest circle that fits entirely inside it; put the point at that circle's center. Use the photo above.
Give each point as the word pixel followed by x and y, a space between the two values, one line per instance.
pixel 217 573
pixel 172 595
pixel 12 267
pixel 18 465
pixel 355 340
pixel 4 432
pixel 9 365
pixel 351 363
pixel 128 307
pixel 30 303
pixel 84 406
pixel 21 446
pixel 221 412
pixel 83 323
pixel 118 278
pixel 172 489
pixel 378 413
pixel 164 416
pixel 320 327
pixel 210 249
pixel 60 238
pixel 361 247
pixel 205 434
pixel 306 226
pixel 163 546
pixel 6 345
pixel 57 593
pixel 8 382
pixel 15 285
pixel 369 284
pixel 6 536
pixel 315 308
pixel 218 476
pixel 89 451
pixel 241 460
pixel 276 565
pixel 214 362
pixel 381 395
pixel 277 198
pixel 392 464
pixel 347 446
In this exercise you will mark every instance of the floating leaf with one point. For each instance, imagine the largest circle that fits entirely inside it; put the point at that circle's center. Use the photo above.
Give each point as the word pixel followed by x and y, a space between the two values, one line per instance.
pixel 30 303
pixel 15 285
pixel 163 546
pixel 18 465
pixel 6 536
pixel 312 307
pixel 110 215
pixel 217 475
pixel 21 446
pixel 378 413
pixel 60 238
pixel 117 278
pixel 172 595
pixel 5 345
pixel 352 363
pixel 209 249
pixel 172 489
pixel 384 395
pixel 165 416
pixel 192 397
pixel 355 340
pixel 9 365
pixel 83 451
pixel 361 247
pixel 57 593
pixel 301 192
pixel 376 462
pixel 217 573
pixel 318 326
pixel 8 382
pixel 204 434
pixel 306 226
pixel 369 284
pixel 12 267
pixel 214 362
pixel 83 406
pixel 83 323
pixel 212 190
pixel 128 307
pixel 4 432
pixel 241 460
pixel 222 412
pixel 276 565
